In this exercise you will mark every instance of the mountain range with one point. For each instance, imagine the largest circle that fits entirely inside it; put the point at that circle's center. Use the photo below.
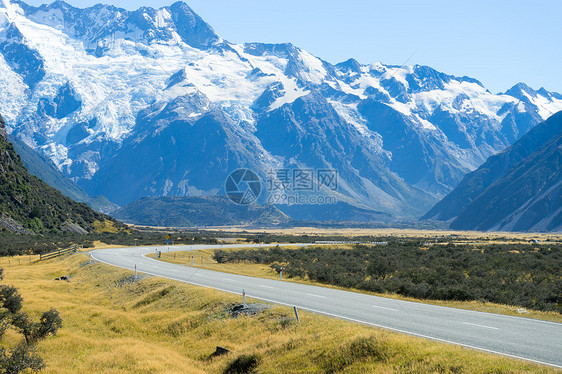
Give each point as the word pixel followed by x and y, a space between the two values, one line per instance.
pixel 519 189
pixel 153 102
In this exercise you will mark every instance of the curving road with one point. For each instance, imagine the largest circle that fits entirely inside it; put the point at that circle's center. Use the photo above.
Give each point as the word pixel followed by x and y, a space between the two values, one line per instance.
pixel 524 338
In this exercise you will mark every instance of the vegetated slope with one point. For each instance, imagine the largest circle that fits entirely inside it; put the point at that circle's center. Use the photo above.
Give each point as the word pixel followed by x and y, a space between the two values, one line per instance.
pixel 29 205
pixel 197 211
pixel 518 189
pixel 193 107
pixel 522 274
pixel 43 168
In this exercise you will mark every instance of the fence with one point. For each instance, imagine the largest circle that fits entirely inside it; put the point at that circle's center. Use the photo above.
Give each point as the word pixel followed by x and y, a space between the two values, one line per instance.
pixel 60 252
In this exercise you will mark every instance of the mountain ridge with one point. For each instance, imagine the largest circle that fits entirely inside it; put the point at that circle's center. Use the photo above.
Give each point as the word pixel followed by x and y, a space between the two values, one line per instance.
pixel 400 137
pixel 518 189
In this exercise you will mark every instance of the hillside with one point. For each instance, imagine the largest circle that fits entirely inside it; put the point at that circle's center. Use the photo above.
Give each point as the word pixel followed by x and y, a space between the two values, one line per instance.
pixel 44 169
pixel 29 205
pixel 517 190
pixel 197 211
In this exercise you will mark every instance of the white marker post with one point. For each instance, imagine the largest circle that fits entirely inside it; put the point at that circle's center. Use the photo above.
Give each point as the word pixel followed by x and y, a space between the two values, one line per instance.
pixel 244 298
pixel 90 258
pixel 135 272
pixel 192 260
pixel 281 274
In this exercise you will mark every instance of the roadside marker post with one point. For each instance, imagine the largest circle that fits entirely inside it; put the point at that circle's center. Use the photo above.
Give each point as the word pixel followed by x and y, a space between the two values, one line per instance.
pixel 192 260
pixel 281 274
pixel 297 314
pixel 244 298
pixel 90 258
pixel 135 271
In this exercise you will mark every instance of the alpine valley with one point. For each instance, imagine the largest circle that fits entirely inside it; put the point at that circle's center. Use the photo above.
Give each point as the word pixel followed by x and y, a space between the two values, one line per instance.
pixel 154 103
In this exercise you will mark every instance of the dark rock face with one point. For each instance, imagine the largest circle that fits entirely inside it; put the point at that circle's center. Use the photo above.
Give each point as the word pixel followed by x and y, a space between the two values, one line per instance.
pixel 3 134
pixel 23 60
pixel 519 189
pixel 65 102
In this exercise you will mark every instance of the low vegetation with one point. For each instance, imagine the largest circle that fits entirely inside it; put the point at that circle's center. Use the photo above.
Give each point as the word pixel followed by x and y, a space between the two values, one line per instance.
pixel 12 245
pixel 518 274
pixel 114 324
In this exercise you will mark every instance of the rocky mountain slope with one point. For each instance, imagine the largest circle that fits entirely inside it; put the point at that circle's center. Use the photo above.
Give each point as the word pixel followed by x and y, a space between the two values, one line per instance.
pixel 154 103
pixel 519 189
pixel 28 205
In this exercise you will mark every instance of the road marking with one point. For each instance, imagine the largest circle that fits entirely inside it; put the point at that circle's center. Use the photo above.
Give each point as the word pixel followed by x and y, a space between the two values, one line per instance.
pixel 311 294
pixel 261 285
pixel 474 324
pixel 228 279
pixel 383 307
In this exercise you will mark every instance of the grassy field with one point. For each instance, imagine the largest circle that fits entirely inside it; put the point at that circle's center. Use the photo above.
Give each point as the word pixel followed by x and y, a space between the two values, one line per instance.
pixel 204 260
pixel 397 233
pixel 114 325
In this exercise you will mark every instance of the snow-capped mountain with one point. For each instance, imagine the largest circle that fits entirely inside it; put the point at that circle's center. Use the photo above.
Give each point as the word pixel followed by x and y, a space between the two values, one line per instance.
pixel 154 103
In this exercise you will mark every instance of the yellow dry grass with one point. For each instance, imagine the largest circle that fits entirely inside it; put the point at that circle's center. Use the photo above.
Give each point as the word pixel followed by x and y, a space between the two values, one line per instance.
pixel 398 233
pixel 106 226
pixel 113 325
pixel 204 260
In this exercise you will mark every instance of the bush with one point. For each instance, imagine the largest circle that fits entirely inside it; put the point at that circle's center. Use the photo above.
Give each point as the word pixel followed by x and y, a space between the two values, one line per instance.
pixel 243 364
pixel 515 274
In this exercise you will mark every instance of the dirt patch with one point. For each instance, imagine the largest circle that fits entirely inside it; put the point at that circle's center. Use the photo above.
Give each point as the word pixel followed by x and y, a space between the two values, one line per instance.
pixel 248 310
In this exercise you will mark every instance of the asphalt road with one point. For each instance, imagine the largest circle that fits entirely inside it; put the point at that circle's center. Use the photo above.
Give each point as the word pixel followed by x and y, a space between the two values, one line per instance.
pixel 524 338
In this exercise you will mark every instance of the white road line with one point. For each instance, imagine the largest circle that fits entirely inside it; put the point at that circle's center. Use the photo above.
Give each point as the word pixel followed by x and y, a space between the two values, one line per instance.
pixel 311 294
pixel 228 279
pixel 261 285
pixel 474 324
pixel 383 307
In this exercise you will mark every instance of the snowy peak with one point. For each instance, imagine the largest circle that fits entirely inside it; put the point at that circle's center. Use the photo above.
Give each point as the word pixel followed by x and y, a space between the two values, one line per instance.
pixel 191 28
pixel 102 26
pixel 349 66
pixel 547 103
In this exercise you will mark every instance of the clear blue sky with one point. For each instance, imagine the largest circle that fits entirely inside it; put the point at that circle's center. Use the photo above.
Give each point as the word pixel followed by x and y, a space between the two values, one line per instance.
pixel 499 42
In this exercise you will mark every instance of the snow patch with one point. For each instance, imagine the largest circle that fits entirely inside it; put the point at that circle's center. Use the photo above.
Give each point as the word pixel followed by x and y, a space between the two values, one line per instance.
pixel 291 93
